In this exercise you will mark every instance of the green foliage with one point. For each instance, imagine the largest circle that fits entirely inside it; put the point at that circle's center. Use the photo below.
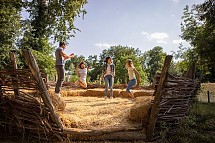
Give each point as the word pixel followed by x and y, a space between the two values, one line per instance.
pixel 54 17
pixel 95 68
pixel 119 55
pixel 184 57
pixel 198 29
pixel 49 19
pixel 198 126
pixel 153 61
pixel 9 29
pixel 73 78
pixel 45 62
pixel 72 63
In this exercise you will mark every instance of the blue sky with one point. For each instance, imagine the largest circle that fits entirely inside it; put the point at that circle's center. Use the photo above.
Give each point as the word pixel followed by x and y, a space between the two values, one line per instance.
pixel 141 24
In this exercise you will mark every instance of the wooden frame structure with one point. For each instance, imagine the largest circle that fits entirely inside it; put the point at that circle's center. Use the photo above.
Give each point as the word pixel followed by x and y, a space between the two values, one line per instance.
pixel 172 99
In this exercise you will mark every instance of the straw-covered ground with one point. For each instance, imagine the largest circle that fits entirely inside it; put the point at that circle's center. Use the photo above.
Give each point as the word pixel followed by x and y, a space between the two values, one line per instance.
pixel 88 109
pixel 97 113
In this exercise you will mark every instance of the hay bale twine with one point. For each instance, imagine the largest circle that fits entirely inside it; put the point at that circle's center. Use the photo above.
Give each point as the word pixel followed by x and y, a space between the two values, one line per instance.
pixel 58 102
pixel 140 111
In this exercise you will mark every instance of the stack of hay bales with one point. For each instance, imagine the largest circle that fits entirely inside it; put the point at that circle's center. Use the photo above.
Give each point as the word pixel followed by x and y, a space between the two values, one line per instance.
pixel 139 112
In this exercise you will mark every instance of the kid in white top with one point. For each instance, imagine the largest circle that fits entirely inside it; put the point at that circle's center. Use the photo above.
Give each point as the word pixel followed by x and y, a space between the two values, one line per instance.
pixel 132 72
pixel 81 71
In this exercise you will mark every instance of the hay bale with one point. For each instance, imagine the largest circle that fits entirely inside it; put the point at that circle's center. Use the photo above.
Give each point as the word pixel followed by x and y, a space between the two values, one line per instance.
pixel 95 92
pixel 70 121
pixel 58 102
pixel 139 112
pixel 80 92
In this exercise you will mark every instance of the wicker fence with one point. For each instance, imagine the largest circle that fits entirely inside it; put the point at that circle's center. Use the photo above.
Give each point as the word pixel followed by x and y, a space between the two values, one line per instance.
pixel 25 104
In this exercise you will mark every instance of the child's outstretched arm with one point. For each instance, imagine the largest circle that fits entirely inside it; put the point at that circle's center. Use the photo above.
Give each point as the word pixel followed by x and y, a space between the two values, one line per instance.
pixel 76 71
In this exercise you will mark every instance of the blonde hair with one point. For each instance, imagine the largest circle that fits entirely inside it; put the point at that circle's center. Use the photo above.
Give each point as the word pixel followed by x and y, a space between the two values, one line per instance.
pixel 129 62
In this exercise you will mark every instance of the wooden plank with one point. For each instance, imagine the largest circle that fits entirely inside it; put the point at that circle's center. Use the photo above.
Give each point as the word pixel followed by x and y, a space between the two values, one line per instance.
pixel 110 134
pixel 14 64
pixel 42 87
pixel 191 71
pixel 157 99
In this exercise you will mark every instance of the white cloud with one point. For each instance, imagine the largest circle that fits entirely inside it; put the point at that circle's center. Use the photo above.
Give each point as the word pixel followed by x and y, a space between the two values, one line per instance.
pixel 159 37
pixel 176 1
pixel 103 45
pixel 144 33
pixel 178 41
pixel 161 42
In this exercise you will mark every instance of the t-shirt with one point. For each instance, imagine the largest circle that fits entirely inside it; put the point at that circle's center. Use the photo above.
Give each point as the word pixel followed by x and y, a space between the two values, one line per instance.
pixel 108 70
pixel 83 74
pixel 131 73
pixel 59 58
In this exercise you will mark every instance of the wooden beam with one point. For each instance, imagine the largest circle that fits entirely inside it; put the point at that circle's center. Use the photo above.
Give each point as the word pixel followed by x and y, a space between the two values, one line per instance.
pixel 108 135
pixel 14 64
pixel 191 71
pixel 13 59
pixel 1 90
pixel 157 99
pixel 31 62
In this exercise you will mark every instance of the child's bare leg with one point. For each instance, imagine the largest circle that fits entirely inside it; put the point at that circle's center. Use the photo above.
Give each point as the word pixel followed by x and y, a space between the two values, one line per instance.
pixel 83 85
pixel 131 95
pixel 77 83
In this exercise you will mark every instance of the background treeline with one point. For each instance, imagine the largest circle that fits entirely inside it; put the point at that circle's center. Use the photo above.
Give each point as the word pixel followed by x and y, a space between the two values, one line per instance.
pixel 52 21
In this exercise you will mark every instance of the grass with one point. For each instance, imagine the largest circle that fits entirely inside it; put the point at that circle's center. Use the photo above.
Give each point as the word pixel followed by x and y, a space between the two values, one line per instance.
pixel 199 126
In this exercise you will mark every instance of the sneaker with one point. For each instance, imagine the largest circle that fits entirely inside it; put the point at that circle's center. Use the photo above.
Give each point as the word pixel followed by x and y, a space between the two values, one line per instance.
pixel 105 97
pixel 58 94
pixel 111 97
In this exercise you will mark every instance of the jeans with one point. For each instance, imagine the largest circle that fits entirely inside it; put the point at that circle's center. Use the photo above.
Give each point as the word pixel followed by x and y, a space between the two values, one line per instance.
pixel 109 80
pixel 131 83
pixel 60 77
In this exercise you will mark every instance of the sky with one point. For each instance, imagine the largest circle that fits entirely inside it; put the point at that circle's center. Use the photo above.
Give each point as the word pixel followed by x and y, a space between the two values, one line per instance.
pixel 141 24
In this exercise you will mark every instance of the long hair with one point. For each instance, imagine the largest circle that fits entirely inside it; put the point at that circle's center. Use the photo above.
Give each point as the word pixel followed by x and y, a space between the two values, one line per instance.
pixel 79 66
pixel 129 62
pixel 106 60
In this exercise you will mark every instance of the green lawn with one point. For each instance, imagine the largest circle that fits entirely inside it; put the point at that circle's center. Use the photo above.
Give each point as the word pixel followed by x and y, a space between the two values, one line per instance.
pixel 199 126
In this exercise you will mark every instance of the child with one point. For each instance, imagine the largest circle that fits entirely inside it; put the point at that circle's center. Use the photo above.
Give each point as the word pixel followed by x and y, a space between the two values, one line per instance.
pixel 132 78
pixel 108 73
pixel 81 71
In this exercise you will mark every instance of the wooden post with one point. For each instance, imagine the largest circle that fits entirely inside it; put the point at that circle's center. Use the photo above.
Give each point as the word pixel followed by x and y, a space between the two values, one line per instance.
pixel 14 64
pixel 157 99
pixel 13 59
pixel 191 71
pixel 1 91
pixel 42 87
pixel 208 93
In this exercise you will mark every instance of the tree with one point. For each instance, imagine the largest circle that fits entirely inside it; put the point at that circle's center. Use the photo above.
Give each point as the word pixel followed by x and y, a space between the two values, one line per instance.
pixel 153 61
pixel 49 20
pixel 198 29
pixel 9 29
pixel 119 55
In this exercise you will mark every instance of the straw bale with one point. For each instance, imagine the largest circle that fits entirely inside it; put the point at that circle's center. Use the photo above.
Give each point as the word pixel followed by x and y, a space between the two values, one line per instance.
pixel 80 92
pixel 138 93
pixel 139 112
pixel 58 102
pixel 69 120
pixel 99 92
